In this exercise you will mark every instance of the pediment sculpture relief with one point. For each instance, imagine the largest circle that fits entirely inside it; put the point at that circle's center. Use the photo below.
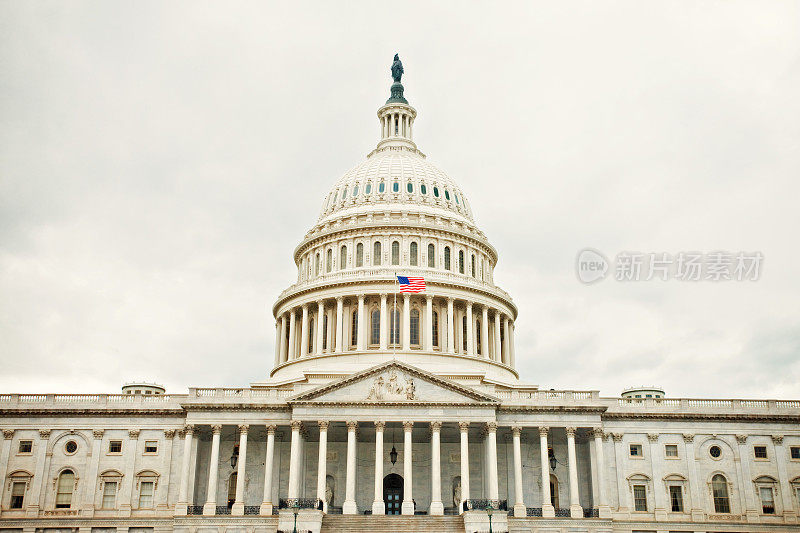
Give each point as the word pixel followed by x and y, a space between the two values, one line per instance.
pixel 391 388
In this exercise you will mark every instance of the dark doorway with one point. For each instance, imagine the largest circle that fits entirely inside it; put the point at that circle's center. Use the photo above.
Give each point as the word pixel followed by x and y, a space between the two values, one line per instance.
pixel 393 493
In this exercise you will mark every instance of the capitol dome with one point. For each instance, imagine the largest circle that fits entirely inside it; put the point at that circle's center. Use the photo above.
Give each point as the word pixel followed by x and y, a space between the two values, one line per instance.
pixel 395 214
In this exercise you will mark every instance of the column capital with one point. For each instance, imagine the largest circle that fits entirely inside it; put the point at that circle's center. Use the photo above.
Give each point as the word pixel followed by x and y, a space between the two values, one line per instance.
pixel 352 425
pixel 777 439
pixel 133 433
pixel 652 437
pixel 44 433
pixel 469 304
pixel 618 436
pixel 297 425
pixel 305 306
pixel 216 429
pixel 570 431
pixel 340 299
pixel 271 429
pixel 361 298
pixel 688 437
pixel 436 425
pixel 516 431
pixel 406 296
pixel 96 433
pixel 8 433
pixel 323 425
pixel 383 295
pixel 429 297
pixel 491 427
pixel 463 426
pixel 244 428
pixel 380 425
pixel 408 425
pixel 597 433
pixel 450 299
pixel 188 429
pixel 168 433
pixel 543 431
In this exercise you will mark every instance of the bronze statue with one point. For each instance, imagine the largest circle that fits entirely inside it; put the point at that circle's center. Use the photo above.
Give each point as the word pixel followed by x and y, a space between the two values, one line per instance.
pixel 397 68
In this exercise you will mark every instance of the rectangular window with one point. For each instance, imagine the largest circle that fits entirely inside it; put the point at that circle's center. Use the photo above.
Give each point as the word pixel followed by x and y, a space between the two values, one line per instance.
pixel 767 500
pixel 671 451
pixel 146 495
pixel 25 446
pixel 115 446
pixel 151 446
pixel 676 498
pixel 639 498
pixel 109 495
pixel 760 452
pixel 636 450
pixel 794 452
pixel 17 494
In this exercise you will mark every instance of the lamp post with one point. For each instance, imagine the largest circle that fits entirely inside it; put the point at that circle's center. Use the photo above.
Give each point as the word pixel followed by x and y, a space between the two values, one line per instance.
pixel 295 510
pixel 489 510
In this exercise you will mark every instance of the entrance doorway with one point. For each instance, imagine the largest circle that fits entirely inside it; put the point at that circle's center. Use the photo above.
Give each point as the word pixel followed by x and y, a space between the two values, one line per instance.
pixel 393 493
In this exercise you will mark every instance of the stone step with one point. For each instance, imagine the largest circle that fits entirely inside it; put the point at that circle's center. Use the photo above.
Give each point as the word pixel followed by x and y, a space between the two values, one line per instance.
pixel 391 524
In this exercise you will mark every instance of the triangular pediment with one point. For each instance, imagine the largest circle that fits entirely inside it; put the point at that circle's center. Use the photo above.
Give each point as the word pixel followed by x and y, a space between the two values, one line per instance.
pixel 394 382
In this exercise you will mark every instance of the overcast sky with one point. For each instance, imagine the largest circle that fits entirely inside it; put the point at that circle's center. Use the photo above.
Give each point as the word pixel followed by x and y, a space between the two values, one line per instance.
pixel 159 162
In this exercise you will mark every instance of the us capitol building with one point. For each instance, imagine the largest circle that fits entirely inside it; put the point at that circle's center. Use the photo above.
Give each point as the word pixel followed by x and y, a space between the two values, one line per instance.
pixel 383 403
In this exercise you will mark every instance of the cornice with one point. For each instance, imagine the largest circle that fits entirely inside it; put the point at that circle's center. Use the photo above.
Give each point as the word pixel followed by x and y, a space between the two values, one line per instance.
pixel 59 411
pixel 554 408
pixel 765 417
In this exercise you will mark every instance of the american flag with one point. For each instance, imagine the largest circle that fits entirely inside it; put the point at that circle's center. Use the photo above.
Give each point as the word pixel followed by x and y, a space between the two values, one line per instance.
pixel 411 284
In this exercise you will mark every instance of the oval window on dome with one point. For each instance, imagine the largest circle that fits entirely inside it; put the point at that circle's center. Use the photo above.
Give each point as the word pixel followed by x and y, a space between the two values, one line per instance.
pixel 456 196
pixel 395 187
pixel 355 191
pixel 423 189
pixel 381 187
pixel 410 187
pixel 446 194
pixel 368 188
pixel 436 192
pixel 335 195
pixel 344 193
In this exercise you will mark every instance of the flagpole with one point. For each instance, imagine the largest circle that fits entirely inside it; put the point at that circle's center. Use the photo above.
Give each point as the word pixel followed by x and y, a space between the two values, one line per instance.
pixel 394 309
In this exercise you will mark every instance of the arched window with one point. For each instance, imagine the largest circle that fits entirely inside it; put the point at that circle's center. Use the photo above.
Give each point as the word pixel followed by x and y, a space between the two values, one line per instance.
pixel 344 194
pixel 355 190
pixel 359 255
pixel 395 187
pixel 461 261
pixel 423 189
pixel 463 333
pixel 64 489
pixel 481 269
pixel 395 252
pixel 394 327
pixel 435 328
pixel 381 187
pixel 436 191
pixel 474 272
pixel 325 331
pixel 376 253
pixel 447 258
pixel 719 488
pixel 232 489
pixel 375 329
pixel 478 336
pixel 414 327
pixel 354 329
pixel 316 264
pixel 554 491
pixel 329 261
pixel 343 258
pixel 446 194
pixel 311 335
pixel 368 188
pixel 412 254
pixel 431 256
pixel 410 187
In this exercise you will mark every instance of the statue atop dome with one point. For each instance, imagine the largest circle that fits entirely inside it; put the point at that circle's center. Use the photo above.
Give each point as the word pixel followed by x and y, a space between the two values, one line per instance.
pixel 397 68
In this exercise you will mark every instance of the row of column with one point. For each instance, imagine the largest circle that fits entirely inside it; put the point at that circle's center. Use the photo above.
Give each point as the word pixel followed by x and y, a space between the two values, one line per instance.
pixel 396 125
pixel 334 338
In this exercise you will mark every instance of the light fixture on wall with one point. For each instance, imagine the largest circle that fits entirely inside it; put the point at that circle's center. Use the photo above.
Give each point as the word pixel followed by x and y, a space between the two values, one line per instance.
pixel 234 456
pixel 552 458
pixel 393 453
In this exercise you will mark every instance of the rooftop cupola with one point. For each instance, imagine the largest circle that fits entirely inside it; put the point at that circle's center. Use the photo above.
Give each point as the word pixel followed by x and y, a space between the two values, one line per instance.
pixel 397 117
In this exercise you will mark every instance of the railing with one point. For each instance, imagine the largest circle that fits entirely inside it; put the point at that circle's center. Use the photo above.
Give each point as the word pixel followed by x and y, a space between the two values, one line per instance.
pixel 482 505
pixel 111 400
pixel 194 510
pixel 252 509
pixel 61 512
pixel 222 510
pixel 533 511
pixel 591 513
pixel 562 513
pixel 300 503
pixel 222 393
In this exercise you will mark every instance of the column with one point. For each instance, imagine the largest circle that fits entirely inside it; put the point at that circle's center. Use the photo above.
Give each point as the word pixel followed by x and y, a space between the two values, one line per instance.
pixel 130 452
pixel 451 336
pixel 694 484
pixel 408 496
pixel 787 492
pixel 497 355
pixel 470 330
pixel 349 506
pixel 32 508
pixel 752 509
pixel 266 504
pixel 429 322
pixel 282 340
pixel 406 328
pixel 491 443
pixel 603 508
pixel 339 323
pixel 659 495
pixel 277 342
pixel 437 507
pixel 575 509
pixel 378 506
pixel 292 335
pixel 320 327
pixel 304 333
pixel 506 337
pixel 210 508
pixel 512 352
pixel 520 510
pixel 619 460
pixel 322 463
pixel 329 333
pixel 361 323
pixel 8 434
pixel 547 507
pixel 384 332
pixel 294 461
pixel 485 333
pixel 181 508
pixel 464 428
pixel 89 488
pixel 241 465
